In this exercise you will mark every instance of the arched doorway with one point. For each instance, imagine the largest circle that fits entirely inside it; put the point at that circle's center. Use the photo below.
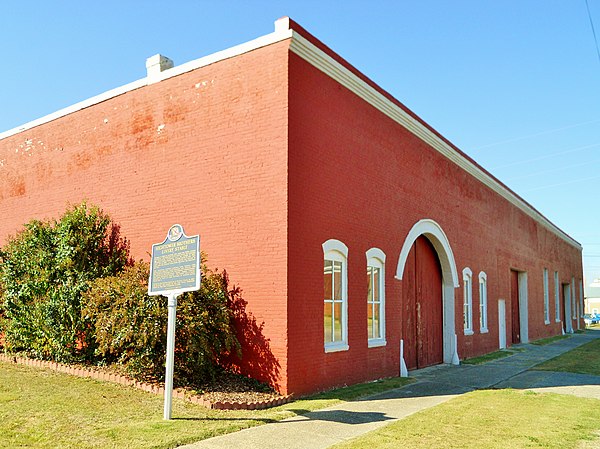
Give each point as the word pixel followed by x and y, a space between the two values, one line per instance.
pixel 422 324
pixel 434 241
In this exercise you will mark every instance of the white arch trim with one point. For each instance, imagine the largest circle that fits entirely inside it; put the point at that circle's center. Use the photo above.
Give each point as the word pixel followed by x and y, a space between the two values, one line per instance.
pixel 376 253
pixel 335 245
pixel 438 239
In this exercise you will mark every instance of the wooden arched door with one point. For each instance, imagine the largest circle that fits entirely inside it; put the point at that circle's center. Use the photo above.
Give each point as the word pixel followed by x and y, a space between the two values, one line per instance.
pixel 422 317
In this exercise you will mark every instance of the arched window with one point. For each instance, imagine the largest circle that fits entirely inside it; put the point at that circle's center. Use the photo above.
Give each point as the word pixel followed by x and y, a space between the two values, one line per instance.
pixel 376 297
pixel 483 303
pixel 468 301
pixel 335 273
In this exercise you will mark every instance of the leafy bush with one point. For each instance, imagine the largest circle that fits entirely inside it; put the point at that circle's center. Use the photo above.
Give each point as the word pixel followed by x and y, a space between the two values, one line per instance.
pixel 2 317
pixel 44 271
pixel 131 327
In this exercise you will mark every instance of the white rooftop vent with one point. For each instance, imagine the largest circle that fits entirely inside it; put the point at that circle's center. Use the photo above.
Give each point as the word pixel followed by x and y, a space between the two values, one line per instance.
pixel 157 64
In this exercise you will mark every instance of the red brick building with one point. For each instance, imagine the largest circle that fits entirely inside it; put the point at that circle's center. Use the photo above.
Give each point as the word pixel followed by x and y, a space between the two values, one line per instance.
pixel 364 242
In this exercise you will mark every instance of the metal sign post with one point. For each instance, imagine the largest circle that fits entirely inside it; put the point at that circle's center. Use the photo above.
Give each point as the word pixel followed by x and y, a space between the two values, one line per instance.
pixel 172 305
pixel 174 269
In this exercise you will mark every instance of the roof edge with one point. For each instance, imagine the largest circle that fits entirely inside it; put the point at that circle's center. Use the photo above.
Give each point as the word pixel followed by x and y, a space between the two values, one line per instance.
pixel 309 48
pixel 278 35
pixel 323 58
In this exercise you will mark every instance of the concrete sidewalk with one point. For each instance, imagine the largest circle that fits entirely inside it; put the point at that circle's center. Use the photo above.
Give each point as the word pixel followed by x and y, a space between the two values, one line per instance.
pixel 433 386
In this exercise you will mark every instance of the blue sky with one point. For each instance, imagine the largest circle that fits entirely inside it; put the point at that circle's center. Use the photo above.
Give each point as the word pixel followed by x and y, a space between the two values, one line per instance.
pixel 514 83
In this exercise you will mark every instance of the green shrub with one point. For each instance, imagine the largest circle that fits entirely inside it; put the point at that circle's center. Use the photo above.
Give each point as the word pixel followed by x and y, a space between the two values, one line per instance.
pixel 44 270
pixel 131 327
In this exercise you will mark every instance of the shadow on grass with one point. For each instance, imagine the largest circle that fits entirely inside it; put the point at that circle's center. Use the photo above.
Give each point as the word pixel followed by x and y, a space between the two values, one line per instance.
pixel 339 416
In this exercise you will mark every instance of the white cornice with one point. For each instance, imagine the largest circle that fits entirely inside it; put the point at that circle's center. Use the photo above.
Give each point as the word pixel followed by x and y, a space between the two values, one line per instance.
pixel 318 58
pixel 322 61
pixel 279 35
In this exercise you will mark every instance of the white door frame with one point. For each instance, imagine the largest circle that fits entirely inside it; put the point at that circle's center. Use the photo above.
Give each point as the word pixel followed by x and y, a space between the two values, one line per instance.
pixel 435 234
pixel 502 323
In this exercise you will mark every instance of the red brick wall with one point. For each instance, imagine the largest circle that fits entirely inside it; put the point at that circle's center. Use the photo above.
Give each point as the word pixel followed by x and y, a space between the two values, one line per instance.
pixel 206 149
pixel 222 166
pixel 359 177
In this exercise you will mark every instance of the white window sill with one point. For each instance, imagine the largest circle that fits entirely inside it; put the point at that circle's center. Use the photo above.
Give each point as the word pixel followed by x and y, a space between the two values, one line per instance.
pixel 484 331
pixel 377 343
pixel 469 332
pixel 547 322
pixel 557 321
pixel 336 347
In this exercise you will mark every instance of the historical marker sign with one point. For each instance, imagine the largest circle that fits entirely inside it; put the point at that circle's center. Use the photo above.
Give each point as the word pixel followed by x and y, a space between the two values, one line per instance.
pixel 174 269
pixel 175 265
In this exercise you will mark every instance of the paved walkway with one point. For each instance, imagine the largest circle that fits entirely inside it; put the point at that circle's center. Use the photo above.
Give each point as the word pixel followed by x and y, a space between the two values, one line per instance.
pixel 433 386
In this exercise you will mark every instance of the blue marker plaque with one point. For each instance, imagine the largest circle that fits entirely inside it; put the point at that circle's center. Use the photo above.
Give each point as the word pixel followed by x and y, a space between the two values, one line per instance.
pixel 175 265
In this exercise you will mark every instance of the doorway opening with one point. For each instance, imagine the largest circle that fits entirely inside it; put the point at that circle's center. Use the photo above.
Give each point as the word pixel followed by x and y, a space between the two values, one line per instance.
pixel 422 326
pixel 518 307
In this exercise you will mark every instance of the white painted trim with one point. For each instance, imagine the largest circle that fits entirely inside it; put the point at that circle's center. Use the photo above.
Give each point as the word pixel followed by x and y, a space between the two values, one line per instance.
pixel 377 342
pixel 576 304
pixel 376 253
pixel 502 324
pixel 523 306
pixel 263 41
pixel 376 258
pixel 556 298
pixel 567 298
pixel 325 63
pixel 336 347
pixel 455 360
pixel 573 299
pixel 483 280
pixel 429 228
pixel 335 245
pixel 403 369
pixel 438 239
pixel 467 276
pixel 335 250
pixel 546 282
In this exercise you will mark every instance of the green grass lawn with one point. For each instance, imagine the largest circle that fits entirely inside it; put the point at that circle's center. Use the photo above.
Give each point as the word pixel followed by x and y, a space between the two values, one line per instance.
pixel 547 341
pixel 44 409
pixel 503 419
pixel 584 360
pixel 500 354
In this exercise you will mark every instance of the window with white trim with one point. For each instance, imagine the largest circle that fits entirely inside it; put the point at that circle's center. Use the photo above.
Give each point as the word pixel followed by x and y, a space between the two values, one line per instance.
pixel 468 301
pixel 483 303
pixel 546 298
pixel 335 315
pixel 556 298
pixel 376 297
